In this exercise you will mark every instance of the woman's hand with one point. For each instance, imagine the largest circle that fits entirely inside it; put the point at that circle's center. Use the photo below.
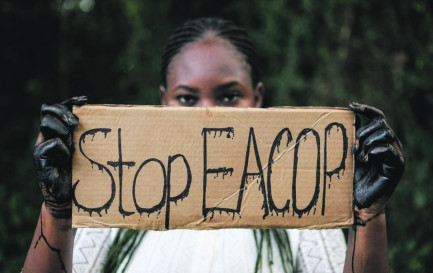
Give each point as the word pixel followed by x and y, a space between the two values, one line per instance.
pixel 379 162
pixel 53 155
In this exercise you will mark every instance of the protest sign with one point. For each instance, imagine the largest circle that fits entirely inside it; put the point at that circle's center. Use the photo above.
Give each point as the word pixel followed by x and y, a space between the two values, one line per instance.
pixel 159 168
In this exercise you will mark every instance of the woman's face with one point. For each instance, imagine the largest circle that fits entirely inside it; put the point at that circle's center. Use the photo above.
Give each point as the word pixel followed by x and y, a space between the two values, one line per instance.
pixel 210 72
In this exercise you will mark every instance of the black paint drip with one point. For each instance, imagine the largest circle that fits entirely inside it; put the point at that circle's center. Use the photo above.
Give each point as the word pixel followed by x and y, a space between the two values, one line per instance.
pixel 228 130
pixel 223 170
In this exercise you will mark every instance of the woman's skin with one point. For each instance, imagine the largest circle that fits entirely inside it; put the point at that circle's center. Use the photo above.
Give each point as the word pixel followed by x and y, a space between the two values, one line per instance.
pixel 208 72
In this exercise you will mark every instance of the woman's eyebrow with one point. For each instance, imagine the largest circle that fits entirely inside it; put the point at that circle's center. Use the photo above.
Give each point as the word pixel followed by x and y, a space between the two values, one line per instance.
pixel 187 88
pixel 226 86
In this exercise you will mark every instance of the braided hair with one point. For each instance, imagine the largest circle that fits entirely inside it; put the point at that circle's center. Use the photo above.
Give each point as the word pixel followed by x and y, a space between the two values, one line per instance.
pixel 197 29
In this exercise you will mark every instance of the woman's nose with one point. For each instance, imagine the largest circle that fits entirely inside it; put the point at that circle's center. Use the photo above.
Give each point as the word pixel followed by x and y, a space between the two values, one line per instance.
pixel 206 103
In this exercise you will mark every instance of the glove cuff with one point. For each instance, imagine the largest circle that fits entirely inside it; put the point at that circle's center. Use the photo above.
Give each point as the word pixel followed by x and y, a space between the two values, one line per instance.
pixel 59 211
pixel 363 222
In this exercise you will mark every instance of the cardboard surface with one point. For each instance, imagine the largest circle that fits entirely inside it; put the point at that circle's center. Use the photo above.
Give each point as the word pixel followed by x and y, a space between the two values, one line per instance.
pixel 146 167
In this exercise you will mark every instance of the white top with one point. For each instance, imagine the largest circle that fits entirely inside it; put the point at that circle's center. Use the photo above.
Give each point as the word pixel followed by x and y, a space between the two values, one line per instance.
pixel 224 250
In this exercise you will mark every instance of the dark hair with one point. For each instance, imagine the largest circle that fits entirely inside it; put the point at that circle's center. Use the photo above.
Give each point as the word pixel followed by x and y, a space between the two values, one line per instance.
pixel 194 30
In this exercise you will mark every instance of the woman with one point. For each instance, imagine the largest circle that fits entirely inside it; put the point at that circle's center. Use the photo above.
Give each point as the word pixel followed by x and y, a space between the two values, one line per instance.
pixel 209 62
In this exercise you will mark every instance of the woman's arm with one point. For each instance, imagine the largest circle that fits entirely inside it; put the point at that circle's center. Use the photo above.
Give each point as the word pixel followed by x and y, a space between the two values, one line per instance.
pixel 379 165
pixel 367 249
pixel 51 247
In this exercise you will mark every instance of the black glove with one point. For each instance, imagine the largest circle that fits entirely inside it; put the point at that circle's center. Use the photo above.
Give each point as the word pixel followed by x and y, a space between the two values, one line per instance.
pixel 379 160
pixel 52 155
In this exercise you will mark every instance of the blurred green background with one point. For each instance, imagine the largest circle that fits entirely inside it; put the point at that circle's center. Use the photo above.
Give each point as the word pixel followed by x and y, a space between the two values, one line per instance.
pixel 312 53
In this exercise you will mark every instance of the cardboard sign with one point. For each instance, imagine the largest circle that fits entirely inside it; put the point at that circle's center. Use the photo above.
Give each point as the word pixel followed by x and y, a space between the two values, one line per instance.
pixel 160 168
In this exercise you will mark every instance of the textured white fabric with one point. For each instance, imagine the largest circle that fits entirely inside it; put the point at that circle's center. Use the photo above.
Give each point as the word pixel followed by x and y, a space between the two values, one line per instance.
pixel 225 250
pixel 90 249
pixel 321 251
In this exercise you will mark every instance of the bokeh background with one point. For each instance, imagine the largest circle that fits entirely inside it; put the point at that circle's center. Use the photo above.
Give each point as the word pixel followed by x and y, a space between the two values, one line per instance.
pixel 312 53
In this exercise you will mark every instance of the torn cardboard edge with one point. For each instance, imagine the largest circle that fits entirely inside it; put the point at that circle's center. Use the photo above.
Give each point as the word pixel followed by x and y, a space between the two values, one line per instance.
pixel 159 168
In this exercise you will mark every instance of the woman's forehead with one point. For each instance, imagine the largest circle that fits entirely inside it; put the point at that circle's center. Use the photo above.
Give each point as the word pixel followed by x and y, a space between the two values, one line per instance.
pixel 208 59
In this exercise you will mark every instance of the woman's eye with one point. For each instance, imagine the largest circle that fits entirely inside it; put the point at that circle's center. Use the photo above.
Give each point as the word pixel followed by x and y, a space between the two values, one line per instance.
pixel 230 98
pixel 187 100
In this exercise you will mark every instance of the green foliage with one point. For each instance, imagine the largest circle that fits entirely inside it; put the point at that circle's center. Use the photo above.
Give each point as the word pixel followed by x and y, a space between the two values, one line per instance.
pixel 312 53
pixel 269 240
pixel 122 249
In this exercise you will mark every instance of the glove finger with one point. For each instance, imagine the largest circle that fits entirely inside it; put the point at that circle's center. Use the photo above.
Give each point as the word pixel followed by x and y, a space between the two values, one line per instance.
pixel 74 101
pixel 51 151
pixel 61 112
pixel 360 170
pixel 54 172
pixel 379 137
pixel 392 163
pixel 367 111
pixel 371 188
pixel 365 131
pixel 52 127
pixel 385 152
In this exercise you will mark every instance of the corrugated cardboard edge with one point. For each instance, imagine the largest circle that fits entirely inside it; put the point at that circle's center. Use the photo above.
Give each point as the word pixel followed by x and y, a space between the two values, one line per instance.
pixel 218 107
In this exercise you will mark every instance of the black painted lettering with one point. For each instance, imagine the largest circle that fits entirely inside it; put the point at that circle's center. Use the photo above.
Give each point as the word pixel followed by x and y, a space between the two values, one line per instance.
pixel 258 175
pixel 101 167
pixel 303 135
pixel 215 132
pixel 119 164
pixel 181 195
pixel 161 204
pixel 342 165
pixel 275 145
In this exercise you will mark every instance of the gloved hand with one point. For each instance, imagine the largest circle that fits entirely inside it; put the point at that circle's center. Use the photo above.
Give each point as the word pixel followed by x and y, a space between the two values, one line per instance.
pixel 379 161
pixel 52 155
